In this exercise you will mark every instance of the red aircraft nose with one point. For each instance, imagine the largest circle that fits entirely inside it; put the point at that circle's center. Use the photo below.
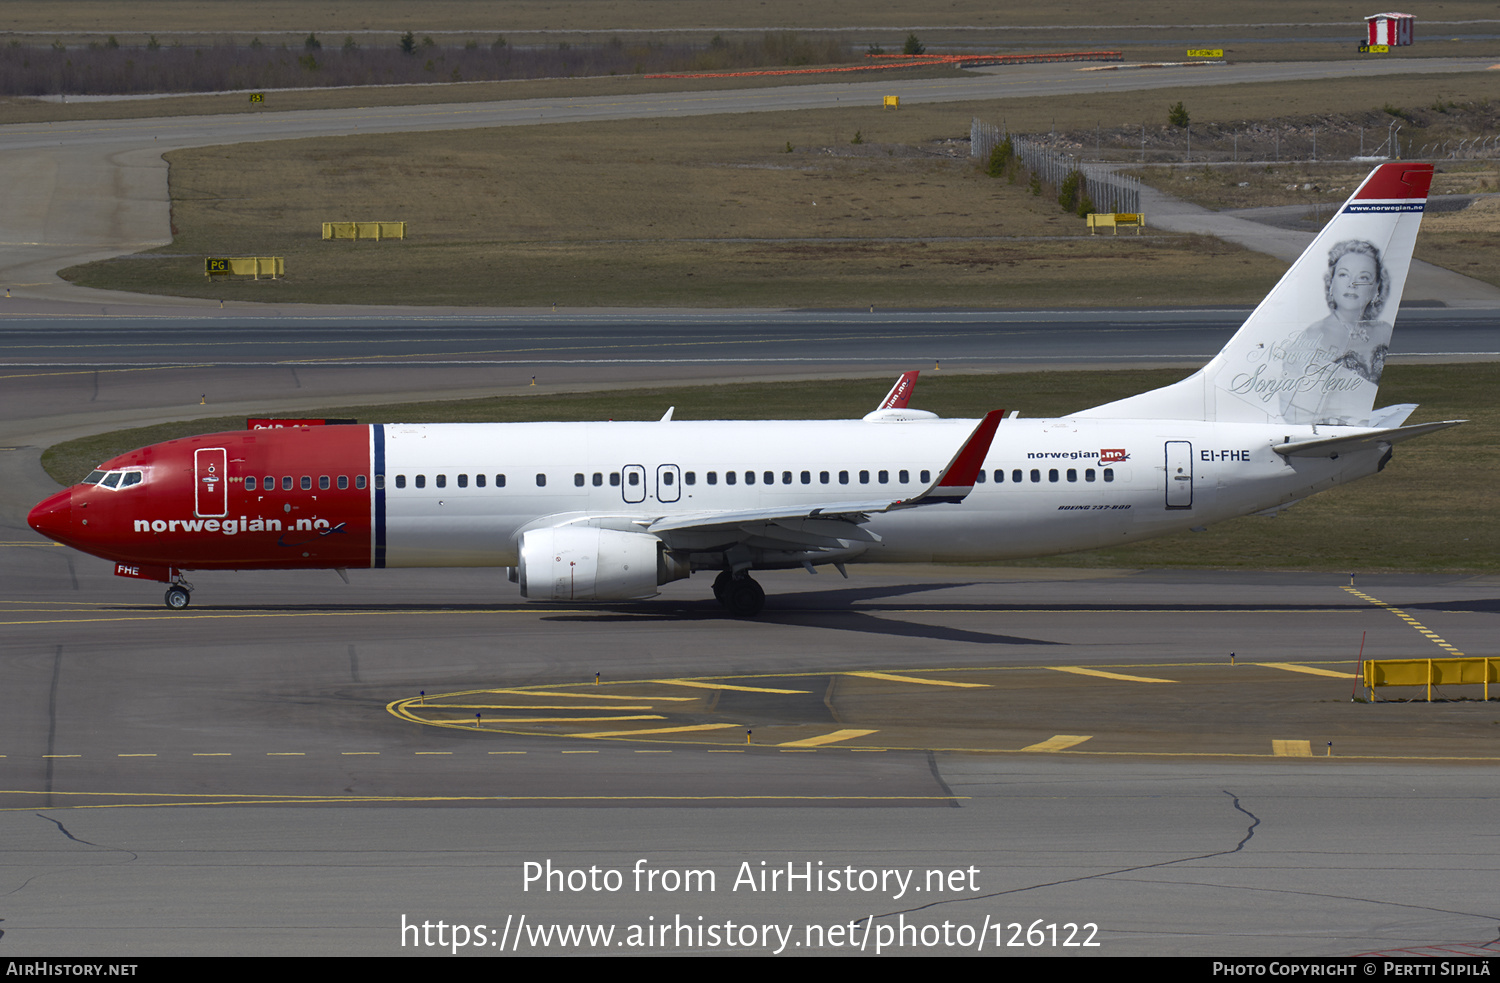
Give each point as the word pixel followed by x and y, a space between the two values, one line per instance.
pixel 53 516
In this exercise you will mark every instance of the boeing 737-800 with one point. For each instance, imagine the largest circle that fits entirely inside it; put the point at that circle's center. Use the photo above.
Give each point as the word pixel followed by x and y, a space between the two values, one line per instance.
pixel 611 511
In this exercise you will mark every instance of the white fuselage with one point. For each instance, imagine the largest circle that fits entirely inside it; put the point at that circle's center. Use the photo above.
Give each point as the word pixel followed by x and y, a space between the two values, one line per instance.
pixel 1066 484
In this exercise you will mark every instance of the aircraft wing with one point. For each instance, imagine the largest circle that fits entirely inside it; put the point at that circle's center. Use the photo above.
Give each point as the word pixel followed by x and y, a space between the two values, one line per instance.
pixel 1348 444
pixel 822 525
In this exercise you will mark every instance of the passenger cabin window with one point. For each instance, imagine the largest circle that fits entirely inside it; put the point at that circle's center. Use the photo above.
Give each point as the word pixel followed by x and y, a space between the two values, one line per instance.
pixel 286 482
pixel 541 480
pixel 343 482
pixel 843 477
pixel 749 477
pixel 307 482
pixel 1109 474
pixel 250 482
pixel 463 481
pixel 323 482
pixel 598 479
pixel 1016 475
pixel 499 481
pixel 579 480
pixel 926 477
pixel 421 481
pixel 614 479
pixel 479 481
pixel 400 481
pixel 903 476
pixel 730 477
pixel 713 477
pixel 689 478
pixel 359 481
pixel 666 478
pixel 864 477
pixel 441 481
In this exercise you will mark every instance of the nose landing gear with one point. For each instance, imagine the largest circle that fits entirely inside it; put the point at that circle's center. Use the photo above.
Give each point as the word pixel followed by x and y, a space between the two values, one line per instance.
pixel 179 594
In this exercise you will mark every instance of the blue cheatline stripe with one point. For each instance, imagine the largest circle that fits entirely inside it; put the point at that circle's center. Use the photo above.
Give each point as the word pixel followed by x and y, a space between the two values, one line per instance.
pixel 378 433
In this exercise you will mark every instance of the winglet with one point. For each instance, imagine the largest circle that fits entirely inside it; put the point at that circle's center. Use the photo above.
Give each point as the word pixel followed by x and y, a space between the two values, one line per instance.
pixel 900 393
pixel 957 479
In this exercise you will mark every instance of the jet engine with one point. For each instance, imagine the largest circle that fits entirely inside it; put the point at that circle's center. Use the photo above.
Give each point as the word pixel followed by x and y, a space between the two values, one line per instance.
pixel 586 563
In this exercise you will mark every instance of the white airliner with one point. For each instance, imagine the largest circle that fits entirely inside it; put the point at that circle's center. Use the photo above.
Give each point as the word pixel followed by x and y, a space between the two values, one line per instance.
pixel 611 511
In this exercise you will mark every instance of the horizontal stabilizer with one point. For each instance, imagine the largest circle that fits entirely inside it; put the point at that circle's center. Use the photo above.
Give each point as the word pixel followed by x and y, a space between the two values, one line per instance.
pixel 1368 440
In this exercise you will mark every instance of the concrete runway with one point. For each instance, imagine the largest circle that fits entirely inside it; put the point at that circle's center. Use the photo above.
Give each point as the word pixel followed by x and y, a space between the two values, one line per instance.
pixel 252 775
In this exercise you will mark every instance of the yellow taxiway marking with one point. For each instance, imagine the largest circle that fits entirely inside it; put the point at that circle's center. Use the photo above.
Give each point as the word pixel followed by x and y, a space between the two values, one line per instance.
pixel 359 752
pixel 694 684
pixel 1431 635
pixel 821 739
pixel 1058 742
pixel 1293 667
pixel 561 720
pixel 211 754
pixel 658 730
pixel 525 706
pixel 286 754
pixel 135 755
pixel 555 693
pixel 892 677
pixel 1109 675
pixel 1291 749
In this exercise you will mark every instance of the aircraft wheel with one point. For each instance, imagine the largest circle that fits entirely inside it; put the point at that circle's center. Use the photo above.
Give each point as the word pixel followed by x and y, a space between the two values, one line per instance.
pixel 721 585
pixel 745 598
pixel 178 597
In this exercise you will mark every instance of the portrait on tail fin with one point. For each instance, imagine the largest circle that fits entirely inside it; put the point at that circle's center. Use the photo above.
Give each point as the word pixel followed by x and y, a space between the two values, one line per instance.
pixel 1325 365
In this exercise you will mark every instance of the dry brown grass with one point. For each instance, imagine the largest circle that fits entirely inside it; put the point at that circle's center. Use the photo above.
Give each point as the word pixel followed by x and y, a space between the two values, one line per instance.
pixel 646 212
pixel 708 211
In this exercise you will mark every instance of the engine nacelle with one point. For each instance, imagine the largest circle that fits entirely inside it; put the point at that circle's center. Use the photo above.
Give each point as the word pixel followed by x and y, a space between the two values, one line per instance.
pixel 585 563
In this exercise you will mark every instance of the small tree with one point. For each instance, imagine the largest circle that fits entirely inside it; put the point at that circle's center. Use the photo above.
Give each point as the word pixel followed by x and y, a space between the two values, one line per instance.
pixel 875 49
pixel 408 43
pixel 1178 116
pixel 1000 158
pixel 312 43
pixel 1071 191
pixel 913 46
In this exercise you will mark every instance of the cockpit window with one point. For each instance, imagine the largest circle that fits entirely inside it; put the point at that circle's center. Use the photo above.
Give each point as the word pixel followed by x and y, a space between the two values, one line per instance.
pixel 115 479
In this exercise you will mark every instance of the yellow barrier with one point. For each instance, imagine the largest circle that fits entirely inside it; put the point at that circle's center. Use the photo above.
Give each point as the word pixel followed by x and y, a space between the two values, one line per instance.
pixel 364 230
pixel 891 102
pixel 1113 220
pixel 1432 672
pixel 256 266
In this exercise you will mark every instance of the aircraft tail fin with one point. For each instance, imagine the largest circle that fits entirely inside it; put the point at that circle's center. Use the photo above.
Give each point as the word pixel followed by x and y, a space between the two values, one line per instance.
pixel 1314 349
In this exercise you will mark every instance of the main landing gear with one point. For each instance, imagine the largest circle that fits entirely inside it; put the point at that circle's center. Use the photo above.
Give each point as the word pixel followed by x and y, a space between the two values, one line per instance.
pixel 741 596
pixel 179 594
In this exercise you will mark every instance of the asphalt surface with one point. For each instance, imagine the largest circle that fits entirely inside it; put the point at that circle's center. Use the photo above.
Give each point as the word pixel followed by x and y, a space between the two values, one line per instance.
pixel 290 766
